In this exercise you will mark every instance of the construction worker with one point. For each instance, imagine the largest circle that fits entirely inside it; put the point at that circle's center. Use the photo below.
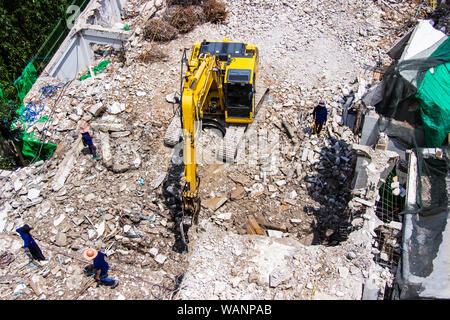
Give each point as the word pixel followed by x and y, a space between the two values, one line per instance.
pixel 87 140
pixel 101 267
pixel 31 248
pixel 319 114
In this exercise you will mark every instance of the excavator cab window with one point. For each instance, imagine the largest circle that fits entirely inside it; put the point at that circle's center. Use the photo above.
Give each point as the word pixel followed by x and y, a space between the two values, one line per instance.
pixel 238 99
pixel 224 49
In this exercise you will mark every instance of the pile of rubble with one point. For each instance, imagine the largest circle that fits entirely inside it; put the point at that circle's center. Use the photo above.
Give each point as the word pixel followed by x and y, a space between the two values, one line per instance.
pixel 298 191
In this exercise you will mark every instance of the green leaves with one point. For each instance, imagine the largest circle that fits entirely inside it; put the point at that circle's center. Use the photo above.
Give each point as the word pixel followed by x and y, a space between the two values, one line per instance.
pixel 24 26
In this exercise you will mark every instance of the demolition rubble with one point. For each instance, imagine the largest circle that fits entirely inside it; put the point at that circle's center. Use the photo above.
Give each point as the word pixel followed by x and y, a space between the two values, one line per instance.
pixel 284 224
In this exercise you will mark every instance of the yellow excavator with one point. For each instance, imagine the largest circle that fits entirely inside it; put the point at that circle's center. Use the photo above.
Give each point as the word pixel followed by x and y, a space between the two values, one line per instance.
pixel 218 90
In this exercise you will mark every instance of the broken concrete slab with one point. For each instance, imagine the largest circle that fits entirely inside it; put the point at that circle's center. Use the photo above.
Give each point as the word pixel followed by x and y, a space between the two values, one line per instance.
pixel 274 233
pixel 120 134
pixel 153 252
pixel 214 203
pixel 106 149
pixel 160 258
pixel 370 290
pixel 109 127
pixel 66 165
pixel 116 108
pixel 97 109
pixel 57 221
pixel 38 284
pixel 279 276
pixel 224 216
pixel 159 180
pixel 33 194
pixel 61 239
pixel 364 202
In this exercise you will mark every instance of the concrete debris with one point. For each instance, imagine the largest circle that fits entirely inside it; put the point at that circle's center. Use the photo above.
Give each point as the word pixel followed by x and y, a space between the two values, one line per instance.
pixel 159 180
pixel 61 239
pixel 37 283
pixel 153 252
pixel 364 202
pixel 238 193
pixel 224 216
pixel 275 224
pixel 275 233
pixel 116 108
pixel 97 109
pixel 160 258
pixel 33 194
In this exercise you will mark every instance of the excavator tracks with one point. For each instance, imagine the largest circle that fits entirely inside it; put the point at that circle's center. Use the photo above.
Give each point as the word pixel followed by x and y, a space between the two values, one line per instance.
pixel 235 133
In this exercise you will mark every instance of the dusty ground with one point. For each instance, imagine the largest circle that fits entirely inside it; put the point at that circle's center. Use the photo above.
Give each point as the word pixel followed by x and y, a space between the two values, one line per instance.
pixel 309 51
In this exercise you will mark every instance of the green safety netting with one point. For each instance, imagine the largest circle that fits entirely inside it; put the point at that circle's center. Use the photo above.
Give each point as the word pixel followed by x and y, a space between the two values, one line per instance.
pixel 433 96
pixel 26 81
pixel 102 65
pixel 33 148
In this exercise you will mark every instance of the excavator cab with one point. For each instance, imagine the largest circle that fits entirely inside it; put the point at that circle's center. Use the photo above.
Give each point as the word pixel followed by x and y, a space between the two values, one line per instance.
pixel 238 73
pixel 238 92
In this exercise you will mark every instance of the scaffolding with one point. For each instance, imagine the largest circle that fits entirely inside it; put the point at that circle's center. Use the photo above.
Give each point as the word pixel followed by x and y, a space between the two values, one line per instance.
pixel 388 237
pixel 389 205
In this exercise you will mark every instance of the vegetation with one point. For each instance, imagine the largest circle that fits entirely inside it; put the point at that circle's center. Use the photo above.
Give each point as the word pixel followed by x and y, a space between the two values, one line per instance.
pixel 215 11
pixel 24 27
pixel 182 16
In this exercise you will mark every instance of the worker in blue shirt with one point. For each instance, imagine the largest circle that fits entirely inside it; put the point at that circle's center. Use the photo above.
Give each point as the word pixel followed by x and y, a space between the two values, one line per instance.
pixel 31 248
pixel 319 114
pixel 87 140
pixel 101 266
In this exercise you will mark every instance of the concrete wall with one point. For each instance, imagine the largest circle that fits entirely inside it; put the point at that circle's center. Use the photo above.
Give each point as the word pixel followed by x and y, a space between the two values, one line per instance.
pixel 106 13
pixel 97 24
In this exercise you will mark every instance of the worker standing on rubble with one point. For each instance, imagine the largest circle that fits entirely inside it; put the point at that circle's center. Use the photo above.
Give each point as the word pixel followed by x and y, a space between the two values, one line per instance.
pixel 87 140
pixel 31 248
pixel 319 114
pixel 101 267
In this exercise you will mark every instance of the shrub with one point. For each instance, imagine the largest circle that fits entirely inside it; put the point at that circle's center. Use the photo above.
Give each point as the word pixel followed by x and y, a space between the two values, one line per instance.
pixel 184 19
pixel 159 30
pixel 215 11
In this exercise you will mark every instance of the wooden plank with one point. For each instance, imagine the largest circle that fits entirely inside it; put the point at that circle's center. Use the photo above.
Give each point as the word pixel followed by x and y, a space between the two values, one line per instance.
pixel 253 227
pixel 238 193
pixel 85 286
pixel 269 225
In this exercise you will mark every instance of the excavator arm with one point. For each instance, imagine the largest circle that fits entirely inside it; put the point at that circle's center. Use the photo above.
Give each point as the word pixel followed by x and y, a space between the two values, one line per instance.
pixel 197 84
pixel 217 91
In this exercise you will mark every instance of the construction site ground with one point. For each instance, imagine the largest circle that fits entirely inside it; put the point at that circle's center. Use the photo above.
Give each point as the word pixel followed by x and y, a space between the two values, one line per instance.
pixel 315 245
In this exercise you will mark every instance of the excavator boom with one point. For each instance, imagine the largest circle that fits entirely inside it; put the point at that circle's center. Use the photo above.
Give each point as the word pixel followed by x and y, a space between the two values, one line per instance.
pixel 218 88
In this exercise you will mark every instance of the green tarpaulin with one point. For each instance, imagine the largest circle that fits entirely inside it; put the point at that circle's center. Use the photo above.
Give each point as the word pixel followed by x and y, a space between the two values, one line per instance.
pixel 34 150
pixel 26 81
pixel 433 96
pixel 102 65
